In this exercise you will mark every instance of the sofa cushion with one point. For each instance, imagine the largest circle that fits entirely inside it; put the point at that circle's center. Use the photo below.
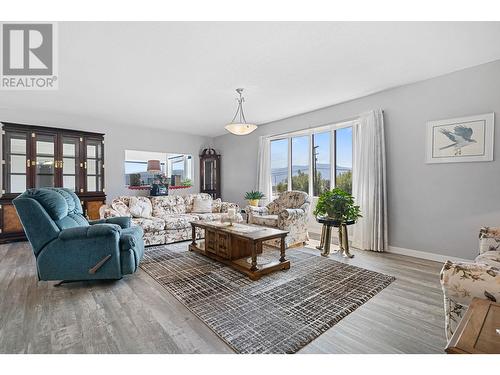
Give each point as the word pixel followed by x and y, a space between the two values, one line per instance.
pixel 189 200
pixel 119 206
pixel 170 204
pixel 151 224
pixel 140 207
pixel 209 216
pixel 490 258
pixel 202 206
pixel 265 220
pixel 179 221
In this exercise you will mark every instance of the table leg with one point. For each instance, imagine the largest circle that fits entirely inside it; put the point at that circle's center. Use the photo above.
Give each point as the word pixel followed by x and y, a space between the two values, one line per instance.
pixel 322 238
pixel 328 240
pixel 282 250
pixel 344 242
pixel 193 234
pixel 254 256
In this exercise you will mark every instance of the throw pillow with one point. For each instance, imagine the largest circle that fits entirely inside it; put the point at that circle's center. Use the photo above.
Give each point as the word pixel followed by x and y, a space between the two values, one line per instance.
pixel 120 207
pixel 140 207
pixel 216 205
pixel 202 206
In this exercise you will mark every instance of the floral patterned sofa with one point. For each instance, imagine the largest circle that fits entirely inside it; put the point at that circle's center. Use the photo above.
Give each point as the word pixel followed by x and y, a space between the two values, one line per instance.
pixel 165 219
pixel 290 211
pixel 461 282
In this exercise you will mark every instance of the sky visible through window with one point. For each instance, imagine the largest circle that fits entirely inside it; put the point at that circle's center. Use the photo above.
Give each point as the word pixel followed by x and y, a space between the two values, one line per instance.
pixel 344 148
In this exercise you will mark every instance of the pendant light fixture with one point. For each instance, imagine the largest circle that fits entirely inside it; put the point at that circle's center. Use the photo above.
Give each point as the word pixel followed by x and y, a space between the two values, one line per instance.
pixel 239 125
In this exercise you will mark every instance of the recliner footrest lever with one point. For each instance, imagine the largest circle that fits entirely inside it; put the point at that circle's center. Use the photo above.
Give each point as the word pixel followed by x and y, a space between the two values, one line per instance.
pixel 99 264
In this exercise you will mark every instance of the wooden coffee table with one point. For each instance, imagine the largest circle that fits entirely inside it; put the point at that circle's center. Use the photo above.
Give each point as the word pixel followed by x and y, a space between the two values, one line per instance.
pixel 478 331
pixel 234 244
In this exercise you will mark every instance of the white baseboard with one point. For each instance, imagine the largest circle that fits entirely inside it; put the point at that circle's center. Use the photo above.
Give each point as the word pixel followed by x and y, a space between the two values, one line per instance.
pixel 424 255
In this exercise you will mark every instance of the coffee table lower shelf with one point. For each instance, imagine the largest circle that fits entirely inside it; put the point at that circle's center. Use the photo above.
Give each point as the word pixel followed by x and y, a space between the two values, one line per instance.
pixel 242 265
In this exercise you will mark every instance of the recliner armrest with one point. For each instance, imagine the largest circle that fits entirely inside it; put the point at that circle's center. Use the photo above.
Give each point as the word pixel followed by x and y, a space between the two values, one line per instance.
pixel 92 231
pixel 122 221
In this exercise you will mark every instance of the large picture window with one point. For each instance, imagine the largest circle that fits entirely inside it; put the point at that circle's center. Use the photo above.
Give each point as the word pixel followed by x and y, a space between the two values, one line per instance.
pixel 313 161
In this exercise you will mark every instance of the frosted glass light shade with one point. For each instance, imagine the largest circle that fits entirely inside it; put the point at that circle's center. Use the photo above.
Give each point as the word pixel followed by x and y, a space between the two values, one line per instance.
pixel 240 129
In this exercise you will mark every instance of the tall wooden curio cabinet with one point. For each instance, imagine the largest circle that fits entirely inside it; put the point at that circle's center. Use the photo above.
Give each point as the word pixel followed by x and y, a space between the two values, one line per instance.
pixel 210 173
pixel 36 156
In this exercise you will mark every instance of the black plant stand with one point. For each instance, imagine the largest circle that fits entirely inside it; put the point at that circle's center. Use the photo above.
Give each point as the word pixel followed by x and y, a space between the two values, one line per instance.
pixel 326 236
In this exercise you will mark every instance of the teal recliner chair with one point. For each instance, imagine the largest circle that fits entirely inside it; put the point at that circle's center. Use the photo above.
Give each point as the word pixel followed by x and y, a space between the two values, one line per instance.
pixel 67 247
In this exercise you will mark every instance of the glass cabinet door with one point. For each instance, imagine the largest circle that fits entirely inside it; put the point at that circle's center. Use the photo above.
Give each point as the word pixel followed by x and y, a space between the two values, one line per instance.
pixel 70 160
pixel 94 165
pixel 44 162
pixel 209 174
pixel 16 163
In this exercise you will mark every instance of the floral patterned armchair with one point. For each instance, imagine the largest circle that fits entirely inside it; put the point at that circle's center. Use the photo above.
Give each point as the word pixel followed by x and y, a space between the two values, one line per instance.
pixel 289 212
pixel 461 282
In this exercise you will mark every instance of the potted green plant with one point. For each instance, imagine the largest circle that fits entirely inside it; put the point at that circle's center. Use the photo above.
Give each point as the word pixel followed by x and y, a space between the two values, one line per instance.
pixel 253 197
pixel 187 182
pixel 338 205
pixel 336 208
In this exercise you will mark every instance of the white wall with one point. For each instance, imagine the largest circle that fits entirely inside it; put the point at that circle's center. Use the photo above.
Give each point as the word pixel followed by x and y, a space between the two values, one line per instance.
pixel 436 208
pixel 117 139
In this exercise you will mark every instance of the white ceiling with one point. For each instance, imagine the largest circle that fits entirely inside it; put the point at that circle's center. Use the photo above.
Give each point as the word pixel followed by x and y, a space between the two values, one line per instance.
pixel 182 75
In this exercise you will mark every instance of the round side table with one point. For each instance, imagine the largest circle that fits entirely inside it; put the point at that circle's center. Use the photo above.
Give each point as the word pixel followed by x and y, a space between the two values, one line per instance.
pixel 326 236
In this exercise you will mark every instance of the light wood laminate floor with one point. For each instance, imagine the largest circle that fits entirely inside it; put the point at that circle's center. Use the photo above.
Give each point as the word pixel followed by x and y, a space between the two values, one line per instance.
pixel 136 315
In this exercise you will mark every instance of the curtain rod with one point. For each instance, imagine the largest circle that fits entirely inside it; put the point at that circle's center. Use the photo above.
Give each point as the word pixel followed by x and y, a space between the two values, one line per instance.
pixel 315 126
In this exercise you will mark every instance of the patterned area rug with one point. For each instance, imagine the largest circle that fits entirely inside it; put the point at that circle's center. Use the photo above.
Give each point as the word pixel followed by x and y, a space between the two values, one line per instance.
pixel 280 313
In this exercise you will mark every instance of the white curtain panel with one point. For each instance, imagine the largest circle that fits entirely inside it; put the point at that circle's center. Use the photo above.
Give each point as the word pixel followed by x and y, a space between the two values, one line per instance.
pixel 264 169
pixel 369 182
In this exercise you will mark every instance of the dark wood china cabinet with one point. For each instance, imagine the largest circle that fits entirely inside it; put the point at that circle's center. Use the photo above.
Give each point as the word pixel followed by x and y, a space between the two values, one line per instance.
pixel 38 156
pixel 210 173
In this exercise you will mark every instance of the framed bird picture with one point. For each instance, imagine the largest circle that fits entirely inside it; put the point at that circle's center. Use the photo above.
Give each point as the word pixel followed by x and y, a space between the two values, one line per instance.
pixel 464 139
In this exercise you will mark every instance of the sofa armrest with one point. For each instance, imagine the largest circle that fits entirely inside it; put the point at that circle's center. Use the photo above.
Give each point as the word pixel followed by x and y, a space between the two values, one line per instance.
pixel 489 239
pixel 106 211
pixel 122 221
pixel 257 210
pixel 292 213
pixel 461 282
pixel 92 231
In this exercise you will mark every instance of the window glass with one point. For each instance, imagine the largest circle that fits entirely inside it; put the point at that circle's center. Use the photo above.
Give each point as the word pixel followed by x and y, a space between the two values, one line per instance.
pixel 343 159
pixel 17 183
pixel 321 162
pixel 300 163
pixel 279 166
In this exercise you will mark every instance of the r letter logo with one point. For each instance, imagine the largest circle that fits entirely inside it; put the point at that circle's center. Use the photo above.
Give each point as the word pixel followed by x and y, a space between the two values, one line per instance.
pixel 29 58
